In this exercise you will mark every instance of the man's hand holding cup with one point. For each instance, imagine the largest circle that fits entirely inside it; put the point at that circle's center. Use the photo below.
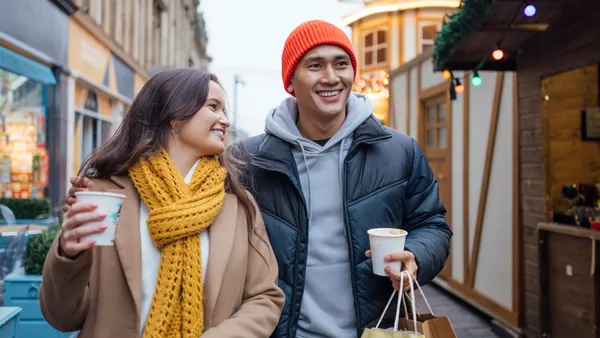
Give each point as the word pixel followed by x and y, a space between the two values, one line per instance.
pixel 389 257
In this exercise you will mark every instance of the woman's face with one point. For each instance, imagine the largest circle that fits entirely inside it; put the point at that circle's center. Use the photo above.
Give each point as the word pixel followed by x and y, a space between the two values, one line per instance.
pixel 204 133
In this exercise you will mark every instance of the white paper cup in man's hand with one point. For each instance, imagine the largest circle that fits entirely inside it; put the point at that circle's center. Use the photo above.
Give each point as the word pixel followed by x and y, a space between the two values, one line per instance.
pixel 385 241
pixel 108 203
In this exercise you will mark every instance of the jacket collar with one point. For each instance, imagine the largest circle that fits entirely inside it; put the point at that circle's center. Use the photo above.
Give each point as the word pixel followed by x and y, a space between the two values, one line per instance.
pixel 278 151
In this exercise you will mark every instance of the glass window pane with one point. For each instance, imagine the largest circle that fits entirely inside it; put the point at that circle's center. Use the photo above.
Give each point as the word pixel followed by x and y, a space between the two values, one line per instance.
pixel 106 132
pixel 369 40
pixel 431 138
pixel 381 37
pixel 429 32
pixel 88 136
pixel 441 113
pixel 381 55
pixel 431 115
pixel 442 138
pixel 427 47
pixel 368 58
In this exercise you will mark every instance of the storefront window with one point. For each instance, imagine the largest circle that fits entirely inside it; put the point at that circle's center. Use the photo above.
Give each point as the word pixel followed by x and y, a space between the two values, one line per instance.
pixel 23 154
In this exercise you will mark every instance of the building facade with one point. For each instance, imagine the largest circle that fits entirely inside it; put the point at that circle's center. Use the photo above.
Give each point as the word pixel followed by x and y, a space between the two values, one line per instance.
pixel 69 71
pixel 155 34
pixel 388 33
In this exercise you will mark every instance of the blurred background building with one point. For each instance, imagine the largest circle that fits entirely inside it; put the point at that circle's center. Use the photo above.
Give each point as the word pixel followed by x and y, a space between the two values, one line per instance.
pixel 69 71
pixel 388 33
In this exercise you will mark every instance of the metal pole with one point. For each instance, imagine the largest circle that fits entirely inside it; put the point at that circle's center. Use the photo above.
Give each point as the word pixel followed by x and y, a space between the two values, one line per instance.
pixel 235 99
pixel 236 81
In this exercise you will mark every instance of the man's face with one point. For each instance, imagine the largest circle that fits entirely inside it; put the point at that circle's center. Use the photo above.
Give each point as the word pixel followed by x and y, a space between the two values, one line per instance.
pixel 322 82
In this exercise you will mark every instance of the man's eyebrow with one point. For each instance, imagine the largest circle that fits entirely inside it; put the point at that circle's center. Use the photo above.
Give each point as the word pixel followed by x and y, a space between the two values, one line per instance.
pixel 341 56
pixel 318 58
pixel 314 59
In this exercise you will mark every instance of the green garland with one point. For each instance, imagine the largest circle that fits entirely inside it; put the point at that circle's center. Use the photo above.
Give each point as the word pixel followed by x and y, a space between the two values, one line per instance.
pixel 471 14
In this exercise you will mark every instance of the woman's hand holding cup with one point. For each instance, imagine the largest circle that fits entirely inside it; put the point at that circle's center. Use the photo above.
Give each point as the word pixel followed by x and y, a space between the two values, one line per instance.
pixel 74 228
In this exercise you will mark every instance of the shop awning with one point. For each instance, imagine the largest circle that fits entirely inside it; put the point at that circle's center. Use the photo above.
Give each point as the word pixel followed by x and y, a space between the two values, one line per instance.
pixel 19 64
pixel 469 37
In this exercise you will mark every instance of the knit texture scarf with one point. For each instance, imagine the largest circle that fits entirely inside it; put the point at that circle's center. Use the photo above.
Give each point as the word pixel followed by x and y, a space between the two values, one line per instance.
pixel 178 212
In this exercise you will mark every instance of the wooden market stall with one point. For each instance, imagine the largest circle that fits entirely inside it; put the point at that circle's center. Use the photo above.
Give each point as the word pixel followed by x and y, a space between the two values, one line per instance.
pixel 469 142
pixel 554 48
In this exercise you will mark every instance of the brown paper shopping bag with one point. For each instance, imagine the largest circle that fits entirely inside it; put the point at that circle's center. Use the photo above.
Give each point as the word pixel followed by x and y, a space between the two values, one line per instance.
pixel 427 323
pixel 399 331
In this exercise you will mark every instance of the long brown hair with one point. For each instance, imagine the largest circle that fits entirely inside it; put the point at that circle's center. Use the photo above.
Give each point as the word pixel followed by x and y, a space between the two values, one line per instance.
pixel 172 95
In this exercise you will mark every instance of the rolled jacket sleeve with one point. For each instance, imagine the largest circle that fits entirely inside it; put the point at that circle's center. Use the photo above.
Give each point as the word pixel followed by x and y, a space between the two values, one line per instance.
pixel 64 292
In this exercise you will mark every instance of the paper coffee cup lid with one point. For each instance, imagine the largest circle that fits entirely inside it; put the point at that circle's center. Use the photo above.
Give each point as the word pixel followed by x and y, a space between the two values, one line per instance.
pixel 387 232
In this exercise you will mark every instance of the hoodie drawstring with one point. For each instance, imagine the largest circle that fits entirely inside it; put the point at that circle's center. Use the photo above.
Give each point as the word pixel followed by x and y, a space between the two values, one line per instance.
pixel 341 171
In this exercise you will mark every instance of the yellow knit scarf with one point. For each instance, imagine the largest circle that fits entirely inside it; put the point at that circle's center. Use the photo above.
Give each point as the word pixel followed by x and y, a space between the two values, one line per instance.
pixel 178 212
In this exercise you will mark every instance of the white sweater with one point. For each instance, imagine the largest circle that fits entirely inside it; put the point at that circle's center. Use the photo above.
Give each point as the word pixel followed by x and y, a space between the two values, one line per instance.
pixel 151 257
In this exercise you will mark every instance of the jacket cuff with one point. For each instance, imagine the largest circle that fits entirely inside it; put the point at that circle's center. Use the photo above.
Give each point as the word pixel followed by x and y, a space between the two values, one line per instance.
pixel 422 272
pixel 61 261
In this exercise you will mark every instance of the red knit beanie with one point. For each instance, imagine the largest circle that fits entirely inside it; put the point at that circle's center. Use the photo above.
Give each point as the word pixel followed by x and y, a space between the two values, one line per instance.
pixel 306 37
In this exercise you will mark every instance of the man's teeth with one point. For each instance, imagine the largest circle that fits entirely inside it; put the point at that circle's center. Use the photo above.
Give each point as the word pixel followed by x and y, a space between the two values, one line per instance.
pixel 218 132
pixel 326 94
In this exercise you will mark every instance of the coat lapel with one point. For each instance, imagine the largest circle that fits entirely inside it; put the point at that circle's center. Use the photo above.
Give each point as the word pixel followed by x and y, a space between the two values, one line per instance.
pixel 221 234
pixel 127 239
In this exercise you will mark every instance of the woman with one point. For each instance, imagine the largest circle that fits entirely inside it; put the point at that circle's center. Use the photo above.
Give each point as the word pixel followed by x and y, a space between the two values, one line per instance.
pixel 191 255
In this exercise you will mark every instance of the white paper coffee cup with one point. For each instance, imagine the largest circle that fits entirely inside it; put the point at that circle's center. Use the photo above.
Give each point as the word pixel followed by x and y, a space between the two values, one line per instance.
pixel 385 241
pixel 108 203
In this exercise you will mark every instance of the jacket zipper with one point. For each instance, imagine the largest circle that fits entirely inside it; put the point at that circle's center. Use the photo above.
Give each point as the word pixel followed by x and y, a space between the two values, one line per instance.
pixel 347 225
pixel 348 239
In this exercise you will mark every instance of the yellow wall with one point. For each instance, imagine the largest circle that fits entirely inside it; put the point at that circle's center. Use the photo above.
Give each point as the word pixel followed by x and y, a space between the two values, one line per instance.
pixel 87 55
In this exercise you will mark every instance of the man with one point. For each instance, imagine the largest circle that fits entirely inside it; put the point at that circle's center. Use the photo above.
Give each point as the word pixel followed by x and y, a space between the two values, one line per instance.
pixel 324 173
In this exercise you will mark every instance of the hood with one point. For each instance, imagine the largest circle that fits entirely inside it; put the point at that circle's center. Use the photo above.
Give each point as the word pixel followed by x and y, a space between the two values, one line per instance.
pixel 281 122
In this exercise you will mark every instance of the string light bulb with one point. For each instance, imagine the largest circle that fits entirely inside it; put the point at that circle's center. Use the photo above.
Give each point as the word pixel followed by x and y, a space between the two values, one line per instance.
pixel 498 54
pixel 459 87
pixel 446 74
pixel 476 79
pixel 529 10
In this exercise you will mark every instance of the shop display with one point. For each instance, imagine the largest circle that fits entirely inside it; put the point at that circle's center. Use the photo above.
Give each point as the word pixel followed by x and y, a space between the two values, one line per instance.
pixel 23 154
pixel 373 83
pixel 580 206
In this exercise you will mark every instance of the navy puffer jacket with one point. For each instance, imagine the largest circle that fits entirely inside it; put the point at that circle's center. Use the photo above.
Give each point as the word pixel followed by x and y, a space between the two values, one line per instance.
pixel 387 180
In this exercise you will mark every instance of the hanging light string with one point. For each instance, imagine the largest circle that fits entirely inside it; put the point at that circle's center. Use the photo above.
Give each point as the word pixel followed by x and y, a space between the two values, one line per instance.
pixel 456 87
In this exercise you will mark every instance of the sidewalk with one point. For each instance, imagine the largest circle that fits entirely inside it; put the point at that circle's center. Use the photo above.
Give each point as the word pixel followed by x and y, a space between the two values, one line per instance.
pixel 466 322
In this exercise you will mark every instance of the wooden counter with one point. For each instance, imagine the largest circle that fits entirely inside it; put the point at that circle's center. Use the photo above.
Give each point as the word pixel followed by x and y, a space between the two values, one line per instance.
pixel 570 230
pixel 569 284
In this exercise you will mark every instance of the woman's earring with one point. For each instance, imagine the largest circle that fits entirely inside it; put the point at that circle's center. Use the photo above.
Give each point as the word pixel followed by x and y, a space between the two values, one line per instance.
pixel 173 128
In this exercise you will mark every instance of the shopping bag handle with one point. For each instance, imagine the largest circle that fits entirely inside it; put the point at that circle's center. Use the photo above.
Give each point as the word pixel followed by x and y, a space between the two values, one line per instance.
pixel 405 298
pixel 397 318
pixel 423 294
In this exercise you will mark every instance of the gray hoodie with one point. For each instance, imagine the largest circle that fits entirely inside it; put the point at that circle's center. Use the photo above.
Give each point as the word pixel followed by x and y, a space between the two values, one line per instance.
pixel 328 303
